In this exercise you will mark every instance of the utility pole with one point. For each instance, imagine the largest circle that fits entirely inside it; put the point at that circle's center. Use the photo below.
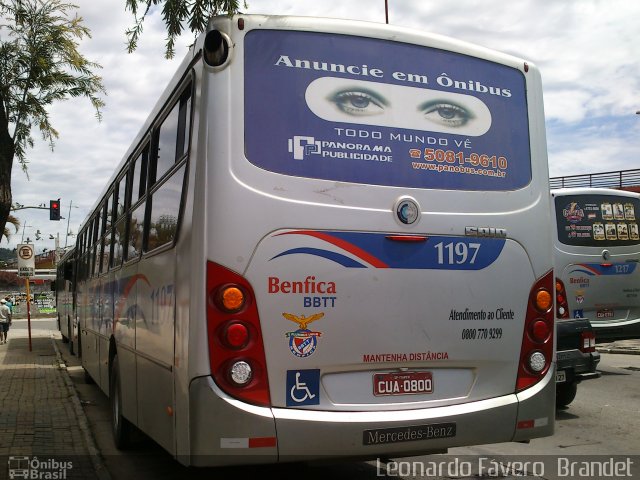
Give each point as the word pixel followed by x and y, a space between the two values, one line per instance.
pixel 58 255
pixel 66 238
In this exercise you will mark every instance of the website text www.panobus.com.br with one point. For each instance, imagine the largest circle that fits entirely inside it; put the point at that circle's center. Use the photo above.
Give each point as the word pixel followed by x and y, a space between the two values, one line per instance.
pixel 433 167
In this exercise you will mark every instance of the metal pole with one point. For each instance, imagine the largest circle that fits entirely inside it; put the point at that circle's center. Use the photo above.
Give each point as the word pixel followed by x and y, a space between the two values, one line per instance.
pixel 66 238
pixel 57 257
pixel 23 229
pixel 28 311
pixel 386 10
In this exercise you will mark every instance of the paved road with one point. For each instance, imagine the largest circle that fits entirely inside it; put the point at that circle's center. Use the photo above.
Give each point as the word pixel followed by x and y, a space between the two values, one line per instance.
pixel 604 419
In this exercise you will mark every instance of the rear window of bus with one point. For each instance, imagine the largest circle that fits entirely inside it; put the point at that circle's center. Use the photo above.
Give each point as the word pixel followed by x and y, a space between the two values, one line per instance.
pixel 593 220
pixel 362 110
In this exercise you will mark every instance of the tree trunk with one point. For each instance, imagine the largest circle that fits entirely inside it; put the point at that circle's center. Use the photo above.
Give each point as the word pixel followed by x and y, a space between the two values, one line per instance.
pixel 7 151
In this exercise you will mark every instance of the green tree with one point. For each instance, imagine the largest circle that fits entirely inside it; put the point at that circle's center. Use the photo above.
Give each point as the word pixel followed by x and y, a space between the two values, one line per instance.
pixel 177 14
pixel 13 221
pixel 39 65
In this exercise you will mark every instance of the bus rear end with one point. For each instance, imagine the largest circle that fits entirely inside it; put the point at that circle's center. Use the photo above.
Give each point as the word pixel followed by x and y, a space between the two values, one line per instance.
pixel 596 251
pixel 379 266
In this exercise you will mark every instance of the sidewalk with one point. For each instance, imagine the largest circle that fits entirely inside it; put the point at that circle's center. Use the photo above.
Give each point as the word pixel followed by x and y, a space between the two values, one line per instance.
pixel 629 347
pixel 43 427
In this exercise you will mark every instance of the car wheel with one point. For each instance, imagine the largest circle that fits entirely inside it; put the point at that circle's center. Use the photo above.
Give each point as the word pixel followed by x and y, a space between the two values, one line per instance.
pixel 120 426
pixel 565 394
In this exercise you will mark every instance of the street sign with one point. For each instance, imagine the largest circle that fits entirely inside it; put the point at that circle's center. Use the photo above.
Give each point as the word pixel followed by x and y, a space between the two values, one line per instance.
pixel 26 260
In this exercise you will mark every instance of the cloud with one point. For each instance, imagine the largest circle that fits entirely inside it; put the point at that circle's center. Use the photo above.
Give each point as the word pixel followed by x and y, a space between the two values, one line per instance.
pixel 586 51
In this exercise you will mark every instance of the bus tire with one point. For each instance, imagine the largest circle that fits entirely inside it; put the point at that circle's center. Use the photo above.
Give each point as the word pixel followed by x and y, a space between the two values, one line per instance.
pixel 79 343
pixel 120 426
pixel 88 379
pixel 565 394
pixel 65 339
pixel 70 339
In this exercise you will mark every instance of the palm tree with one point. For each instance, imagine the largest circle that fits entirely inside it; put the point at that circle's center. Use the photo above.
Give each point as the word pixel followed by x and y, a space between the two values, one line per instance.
pixel 13 221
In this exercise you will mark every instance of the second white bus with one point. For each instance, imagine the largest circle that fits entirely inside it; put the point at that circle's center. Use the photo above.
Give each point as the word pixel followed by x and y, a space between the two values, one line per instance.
pixel 597 251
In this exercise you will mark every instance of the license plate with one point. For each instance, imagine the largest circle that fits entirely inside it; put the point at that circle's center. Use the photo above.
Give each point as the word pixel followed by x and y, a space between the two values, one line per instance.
pixel 405 383
pixel 561 376
pixel 605 313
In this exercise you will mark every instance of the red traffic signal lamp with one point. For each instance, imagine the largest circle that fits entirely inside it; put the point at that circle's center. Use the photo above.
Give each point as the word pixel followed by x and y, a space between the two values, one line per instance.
pixel 54 209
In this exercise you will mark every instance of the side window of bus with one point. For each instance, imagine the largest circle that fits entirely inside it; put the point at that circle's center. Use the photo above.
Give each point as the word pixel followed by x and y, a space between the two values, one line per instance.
pixel 165 209
pixel 99 240
pixel 78 256
pixel 83 256
pixel 165 178
pixel 172 137
pixel 139 181
pixel 136 231
pixel 108 221
pixel 120 196
pixel 91 247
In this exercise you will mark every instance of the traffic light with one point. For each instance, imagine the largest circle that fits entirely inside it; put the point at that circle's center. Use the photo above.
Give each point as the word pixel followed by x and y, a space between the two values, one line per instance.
pixel 54 209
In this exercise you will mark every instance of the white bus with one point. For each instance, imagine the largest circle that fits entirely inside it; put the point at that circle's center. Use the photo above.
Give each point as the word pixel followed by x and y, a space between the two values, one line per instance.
pixel 597 250
pixel 330 239
pixel 65 298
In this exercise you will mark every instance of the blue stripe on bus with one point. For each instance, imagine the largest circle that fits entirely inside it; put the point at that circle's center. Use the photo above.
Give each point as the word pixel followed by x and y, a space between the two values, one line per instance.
pixel 436 253
pixel 596 269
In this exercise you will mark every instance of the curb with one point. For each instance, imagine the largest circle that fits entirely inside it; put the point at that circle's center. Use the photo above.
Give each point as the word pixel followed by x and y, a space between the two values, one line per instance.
pixel 96 459
pixel 619 350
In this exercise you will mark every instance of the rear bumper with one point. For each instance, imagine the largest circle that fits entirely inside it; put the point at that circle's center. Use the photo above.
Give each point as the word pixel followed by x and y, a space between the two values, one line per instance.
pixel 312 435
pixel 619 330
pixel 577 366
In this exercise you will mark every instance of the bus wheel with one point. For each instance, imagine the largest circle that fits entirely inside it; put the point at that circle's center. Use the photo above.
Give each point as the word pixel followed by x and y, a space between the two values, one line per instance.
pixel 88 379
pixel 70 339
pixel 120 426
pixel 65 339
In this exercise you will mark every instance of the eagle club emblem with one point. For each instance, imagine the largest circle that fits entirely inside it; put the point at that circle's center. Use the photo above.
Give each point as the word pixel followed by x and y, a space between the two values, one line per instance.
pixel 303 342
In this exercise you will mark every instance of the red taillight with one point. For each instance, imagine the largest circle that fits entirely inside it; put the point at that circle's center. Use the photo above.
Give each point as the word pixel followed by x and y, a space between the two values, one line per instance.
pixel 587 342
pixel 537 341
pixel 562 307
pixel 540 331
pixel 236 335
pixel 236 348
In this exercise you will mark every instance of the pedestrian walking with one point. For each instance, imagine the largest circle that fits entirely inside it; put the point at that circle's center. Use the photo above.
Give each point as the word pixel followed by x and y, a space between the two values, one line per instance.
pixel 5 320
pixel 9 303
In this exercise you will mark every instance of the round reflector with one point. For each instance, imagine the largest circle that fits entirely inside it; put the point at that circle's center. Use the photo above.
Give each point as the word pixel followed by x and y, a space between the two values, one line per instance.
pixel 240 373
pixel 537 362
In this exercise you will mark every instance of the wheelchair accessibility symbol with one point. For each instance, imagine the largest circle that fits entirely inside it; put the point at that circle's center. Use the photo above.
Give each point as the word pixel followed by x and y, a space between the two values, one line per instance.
pixel 303 387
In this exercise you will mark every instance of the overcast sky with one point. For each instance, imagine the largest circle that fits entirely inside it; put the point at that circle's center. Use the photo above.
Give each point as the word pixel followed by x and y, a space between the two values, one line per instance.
pixel 586 50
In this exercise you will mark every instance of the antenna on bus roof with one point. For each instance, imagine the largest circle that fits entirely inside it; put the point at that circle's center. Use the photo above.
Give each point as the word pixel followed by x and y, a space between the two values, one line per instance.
pixel 386 10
